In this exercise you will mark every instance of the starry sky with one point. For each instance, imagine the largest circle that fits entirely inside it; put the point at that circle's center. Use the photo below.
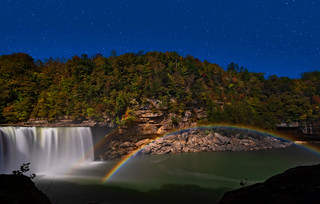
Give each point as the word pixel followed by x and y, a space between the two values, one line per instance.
pixel 279 37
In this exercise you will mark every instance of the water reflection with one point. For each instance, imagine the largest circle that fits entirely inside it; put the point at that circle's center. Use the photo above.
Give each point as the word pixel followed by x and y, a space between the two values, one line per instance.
pixel 144 173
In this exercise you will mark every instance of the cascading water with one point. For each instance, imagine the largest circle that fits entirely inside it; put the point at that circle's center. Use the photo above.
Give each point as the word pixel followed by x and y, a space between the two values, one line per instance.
pixel 47 149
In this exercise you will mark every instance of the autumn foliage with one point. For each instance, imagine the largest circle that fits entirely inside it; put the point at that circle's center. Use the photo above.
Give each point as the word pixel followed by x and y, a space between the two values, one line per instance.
pixel 96 87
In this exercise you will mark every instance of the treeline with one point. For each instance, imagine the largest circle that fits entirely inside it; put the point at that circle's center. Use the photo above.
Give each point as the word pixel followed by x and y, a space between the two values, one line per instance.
pixel 98 86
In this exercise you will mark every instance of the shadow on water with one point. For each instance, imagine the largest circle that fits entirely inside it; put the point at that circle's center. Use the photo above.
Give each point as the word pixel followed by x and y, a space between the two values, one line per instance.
pixel 66 192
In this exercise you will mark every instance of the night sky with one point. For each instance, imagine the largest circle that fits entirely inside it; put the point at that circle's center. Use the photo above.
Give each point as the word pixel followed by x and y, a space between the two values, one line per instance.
pixel 270 36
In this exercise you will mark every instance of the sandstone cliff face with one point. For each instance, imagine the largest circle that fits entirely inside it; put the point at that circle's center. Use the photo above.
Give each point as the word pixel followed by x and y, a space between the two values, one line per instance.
pixel 153 120
pixel 152 123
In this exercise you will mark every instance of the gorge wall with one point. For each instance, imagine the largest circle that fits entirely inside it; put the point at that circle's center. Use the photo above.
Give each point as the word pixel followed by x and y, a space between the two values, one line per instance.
pixel 150 123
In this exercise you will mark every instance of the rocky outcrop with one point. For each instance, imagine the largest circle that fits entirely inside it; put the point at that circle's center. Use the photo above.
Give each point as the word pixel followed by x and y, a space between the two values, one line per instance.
pixel 296 185
pixel 20 189
pixel 159 122
pixel 152 121
pixel 196 140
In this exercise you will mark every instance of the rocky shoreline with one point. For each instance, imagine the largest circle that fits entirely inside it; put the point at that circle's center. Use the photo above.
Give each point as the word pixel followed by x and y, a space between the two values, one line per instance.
pixel 196 140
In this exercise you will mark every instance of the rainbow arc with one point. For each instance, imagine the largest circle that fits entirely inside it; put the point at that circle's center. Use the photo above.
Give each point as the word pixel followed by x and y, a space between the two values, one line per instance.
pixel 125 159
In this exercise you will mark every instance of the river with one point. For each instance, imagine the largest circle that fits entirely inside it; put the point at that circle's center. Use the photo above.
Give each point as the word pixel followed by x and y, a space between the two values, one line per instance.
pixel 79 179
pixel 221 171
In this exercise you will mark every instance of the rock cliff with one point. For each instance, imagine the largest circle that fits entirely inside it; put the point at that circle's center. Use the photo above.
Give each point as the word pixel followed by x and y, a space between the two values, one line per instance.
pixel 150 120
pixel 153 122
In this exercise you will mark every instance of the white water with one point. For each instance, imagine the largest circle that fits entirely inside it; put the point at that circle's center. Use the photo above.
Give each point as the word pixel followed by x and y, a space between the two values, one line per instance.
pixel 49 150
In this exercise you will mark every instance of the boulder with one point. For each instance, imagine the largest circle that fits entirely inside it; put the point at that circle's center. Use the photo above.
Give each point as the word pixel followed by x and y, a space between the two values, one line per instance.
pixel 177 146
pixel 146 150
pixel 114 143
pixel 161 130
pixel 149 114
pixel 125 144
pixel 149 129
pixel 142 142
pixel 154 147
pixel 210 137
pixel 184 136
pixel 164 150
pixel 170 137
pixel 221 140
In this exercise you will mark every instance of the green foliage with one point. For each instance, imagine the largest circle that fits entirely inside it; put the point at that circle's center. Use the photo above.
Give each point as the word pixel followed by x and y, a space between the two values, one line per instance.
pixel 95 87
pixel 23 169
pixel 175 120
pixel 128 118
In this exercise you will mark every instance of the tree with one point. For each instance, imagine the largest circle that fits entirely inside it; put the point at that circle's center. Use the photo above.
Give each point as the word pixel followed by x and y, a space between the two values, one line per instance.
pixel 23 169
pixel 113 53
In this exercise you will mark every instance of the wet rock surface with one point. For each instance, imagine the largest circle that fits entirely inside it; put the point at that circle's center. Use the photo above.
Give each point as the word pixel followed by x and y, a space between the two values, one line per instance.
pixel 297 185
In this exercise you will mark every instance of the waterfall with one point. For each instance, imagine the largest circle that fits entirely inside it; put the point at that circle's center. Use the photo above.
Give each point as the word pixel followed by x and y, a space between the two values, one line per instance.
pixel 47 149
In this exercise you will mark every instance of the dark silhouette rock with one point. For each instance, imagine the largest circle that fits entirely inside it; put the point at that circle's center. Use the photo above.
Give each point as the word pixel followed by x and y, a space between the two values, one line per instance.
pixel 20 189
pixel 297 185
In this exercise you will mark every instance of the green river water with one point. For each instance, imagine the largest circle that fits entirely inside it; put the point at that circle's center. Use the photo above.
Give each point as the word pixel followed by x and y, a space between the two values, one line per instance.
pixel 221 171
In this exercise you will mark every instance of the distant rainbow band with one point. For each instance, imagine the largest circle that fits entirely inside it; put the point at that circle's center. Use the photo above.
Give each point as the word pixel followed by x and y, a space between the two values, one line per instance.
pixel 124 160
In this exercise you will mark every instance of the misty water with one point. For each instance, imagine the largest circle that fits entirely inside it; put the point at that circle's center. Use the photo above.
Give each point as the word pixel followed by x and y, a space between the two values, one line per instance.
pixel 223 171
pixel 47 149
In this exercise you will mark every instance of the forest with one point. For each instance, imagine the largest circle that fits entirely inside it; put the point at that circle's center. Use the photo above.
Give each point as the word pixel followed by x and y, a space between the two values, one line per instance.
pixel 98 87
